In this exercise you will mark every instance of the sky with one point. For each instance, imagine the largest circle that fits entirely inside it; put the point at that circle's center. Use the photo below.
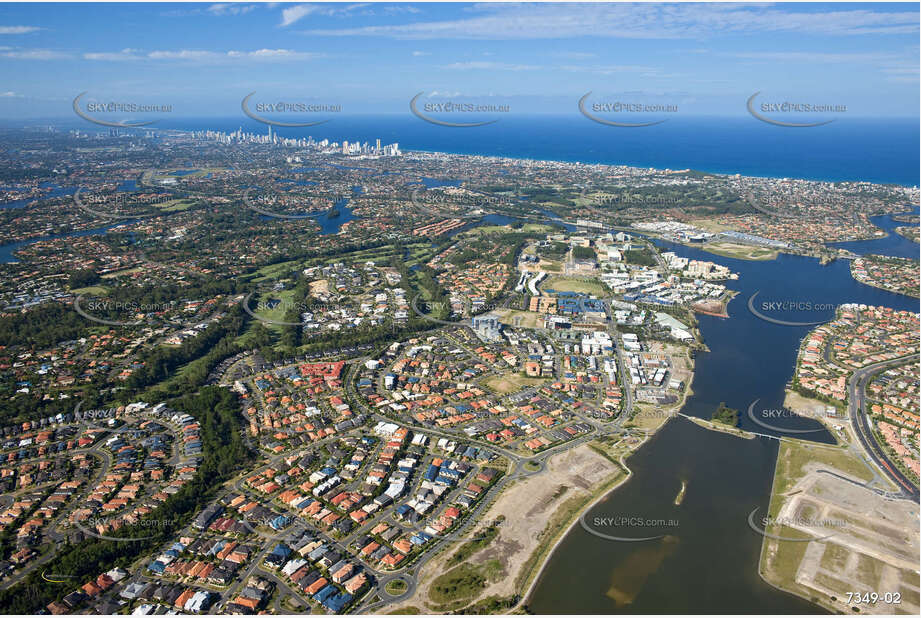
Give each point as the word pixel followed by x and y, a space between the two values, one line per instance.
pixel 201 59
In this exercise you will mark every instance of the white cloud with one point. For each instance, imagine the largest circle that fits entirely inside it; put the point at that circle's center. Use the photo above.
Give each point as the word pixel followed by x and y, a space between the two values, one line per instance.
pixel 119 56
pixel 643 21
pixel 816 57
pixel 574 55
pixel 206 56
pixel 230 8
pixel 35 54
pixel 421 53
pixel 280 54
pixel 898 67
pixel 491 66
pixel 611 69
pixel 203 56
pixel 294 14
pixel 18 29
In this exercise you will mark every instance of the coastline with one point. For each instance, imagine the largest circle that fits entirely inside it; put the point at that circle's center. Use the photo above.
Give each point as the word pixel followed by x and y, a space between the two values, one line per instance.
pixel 764 542
pixel 234 121
pixel 713 426
pixel 603 494
pixel 781 563
pixel 600 495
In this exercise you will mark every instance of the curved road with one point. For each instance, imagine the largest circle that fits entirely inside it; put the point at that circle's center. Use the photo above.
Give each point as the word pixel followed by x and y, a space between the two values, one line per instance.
pixel 857 411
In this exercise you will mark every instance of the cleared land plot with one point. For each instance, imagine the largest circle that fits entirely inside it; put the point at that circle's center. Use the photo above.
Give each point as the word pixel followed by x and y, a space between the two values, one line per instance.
pixel 175 205
pixel 566 284
pixel 861 541
pixel 523 319
pixel 511 382
pixel 742 252
pixel 534 511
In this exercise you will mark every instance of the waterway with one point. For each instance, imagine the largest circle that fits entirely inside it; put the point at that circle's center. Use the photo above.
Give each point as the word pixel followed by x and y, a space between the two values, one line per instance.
pixel 8 252
pixel 56 191
pixel 707 560
pixel 894 245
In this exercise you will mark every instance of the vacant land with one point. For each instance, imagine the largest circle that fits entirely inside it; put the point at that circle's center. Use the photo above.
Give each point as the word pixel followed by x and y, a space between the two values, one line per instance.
pixel 520 319
pixel 837 536
pixel 175 205
pixel 709 225
pixel 565 284
pixel 535 511
pixel 742 252
pixel 511 382
pixel 95 290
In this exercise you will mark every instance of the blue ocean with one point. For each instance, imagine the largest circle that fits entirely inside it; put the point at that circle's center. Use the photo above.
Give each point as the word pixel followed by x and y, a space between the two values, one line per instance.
pixel 849 149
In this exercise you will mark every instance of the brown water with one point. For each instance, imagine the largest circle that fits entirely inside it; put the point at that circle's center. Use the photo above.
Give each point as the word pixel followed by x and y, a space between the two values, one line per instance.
pixel 706 559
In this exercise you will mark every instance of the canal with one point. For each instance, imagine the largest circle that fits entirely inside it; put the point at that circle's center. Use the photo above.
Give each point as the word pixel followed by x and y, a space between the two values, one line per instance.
pixel 706 557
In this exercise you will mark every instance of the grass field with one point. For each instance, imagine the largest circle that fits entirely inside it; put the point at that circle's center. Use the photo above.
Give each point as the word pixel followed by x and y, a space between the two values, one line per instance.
pixel 272 271
pixel 794 455
pixel 742 252
pixel 395 587
pixel 781 562
pixel 511 382
pixel 119 273
pixel 175 205
pixel 566 284
pixel 259 306
pixel 648 418
pixel 709 225
pixel 463 583
pixel 486 229
pixel 96 290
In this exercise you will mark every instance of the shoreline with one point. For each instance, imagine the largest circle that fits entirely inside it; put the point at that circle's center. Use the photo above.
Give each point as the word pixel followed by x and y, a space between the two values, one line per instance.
pixel 764 541
pixel 880 286
pixel 680 168
pixel 720 427
pixel 602 494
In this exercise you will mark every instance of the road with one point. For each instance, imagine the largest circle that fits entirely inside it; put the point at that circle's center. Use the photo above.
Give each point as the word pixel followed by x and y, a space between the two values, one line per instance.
pixel 857 411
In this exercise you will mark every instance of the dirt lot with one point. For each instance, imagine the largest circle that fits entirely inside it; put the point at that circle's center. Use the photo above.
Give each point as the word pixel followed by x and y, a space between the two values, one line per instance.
pixel 860 541
pixel 320 286
pixel 527 507
pixel 522 319
pixel 511 382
